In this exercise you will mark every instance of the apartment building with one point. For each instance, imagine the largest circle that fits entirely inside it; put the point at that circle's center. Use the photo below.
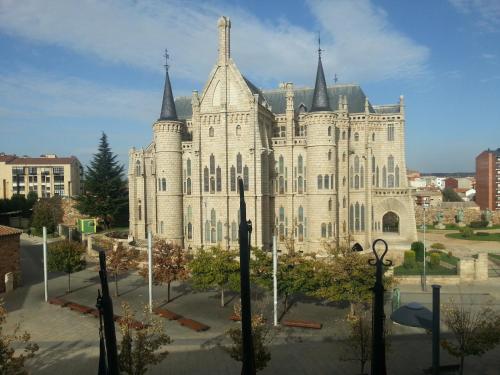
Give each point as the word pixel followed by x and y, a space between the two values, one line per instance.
pixel 47 175
pixel 488 179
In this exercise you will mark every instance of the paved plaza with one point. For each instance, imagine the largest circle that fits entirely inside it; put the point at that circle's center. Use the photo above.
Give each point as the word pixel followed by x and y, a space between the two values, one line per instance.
pixel 69 340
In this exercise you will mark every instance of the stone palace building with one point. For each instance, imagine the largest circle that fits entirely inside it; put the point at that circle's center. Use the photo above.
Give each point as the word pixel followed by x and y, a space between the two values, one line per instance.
pixel 320 164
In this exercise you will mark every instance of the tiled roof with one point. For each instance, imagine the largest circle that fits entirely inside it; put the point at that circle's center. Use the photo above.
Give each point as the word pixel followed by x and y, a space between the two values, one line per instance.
pixel 277 99
pixel 42 161
pixel 8 231
pixel 6 158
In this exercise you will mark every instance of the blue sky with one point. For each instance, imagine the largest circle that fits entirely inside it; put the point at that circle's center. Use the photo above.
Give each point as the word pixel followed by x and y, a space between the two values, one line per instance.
pixel 70 69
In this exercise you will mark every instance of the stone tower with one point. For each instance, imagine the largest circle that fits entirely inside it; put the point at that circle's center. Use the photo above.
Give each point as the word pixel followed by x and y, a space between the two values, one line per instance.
pixel 167 131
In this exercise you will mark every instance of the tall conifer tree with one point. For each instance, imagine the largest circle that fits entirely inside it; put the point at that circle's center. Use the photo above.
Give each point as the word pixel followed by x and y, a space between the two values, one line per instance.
pixel 106 195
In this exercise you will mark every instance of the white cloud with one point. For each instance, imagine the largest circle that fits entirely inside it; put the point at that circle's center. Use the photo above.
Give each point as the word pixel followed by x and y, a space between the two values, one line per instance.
pixel 489 56
pixel 360 43
pixel 32 95
pixel 487 12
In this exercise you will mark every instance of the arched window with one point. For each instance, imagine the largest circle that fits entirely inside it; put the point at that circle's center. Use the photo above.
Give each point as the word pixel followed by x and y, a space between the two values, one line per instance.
pixel 233 178
pixel 384 177
pixel 300 164
pixel 326 180
pixel 323 230
pixel 330 204
pixel 356 182
pixel 245 178
pixel 238 130
pixel 356 137
pixel 397 176
pixel 343 202
pixel 320 182
pixel 356 164
pixel 139 209
pixel 331 182
pixel 281 164
pixel 212 164
pixel 164 184
pixel 234 231
pixel 343 134
pixel 207 231
pixel 351 218
pixel 188 186
pixel 138 168
pixel 190 231
pixel 329 154
pixel 205 179
pixel 211 132
pixel 282 214
pixel 390 132
pixel 188 167
pixel 219 231
pixel 301 232
pixel 373 137
pixel 390 164
pixel 390 222
pixel 213 217
pixel 329 131
pixel 362 177
pixel 212 184
pixel 362 217
pixel 301 214
pixel 281 185
pixel 218 176
pixel 213 239
pixel 301 184
pixel 239 163
pixel 330 230
pixel 356 226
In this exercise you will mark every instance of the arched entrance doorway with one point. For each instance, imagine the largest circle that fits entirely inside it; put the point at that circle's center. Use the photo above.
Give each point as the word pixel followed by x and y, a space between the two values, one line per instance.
pixel 390 222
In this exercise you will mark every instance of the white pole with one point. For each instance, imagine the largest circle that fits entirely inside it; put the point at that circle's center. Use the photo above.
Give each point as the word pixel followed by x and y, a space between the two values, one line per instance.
pixel 45 264
pixel 425 276
pixel 275 280
pixel 150 272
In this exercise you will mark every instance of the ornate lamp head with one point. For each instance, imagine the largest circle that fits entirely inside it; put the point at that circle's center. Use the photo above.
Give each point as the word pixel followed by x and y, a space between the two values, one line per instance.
pixel 380 248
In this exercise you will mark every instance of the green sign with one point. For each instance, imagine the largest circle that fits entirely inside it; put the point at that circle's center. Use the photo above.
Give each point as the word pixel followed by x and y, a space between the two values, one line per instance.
pixel 87 225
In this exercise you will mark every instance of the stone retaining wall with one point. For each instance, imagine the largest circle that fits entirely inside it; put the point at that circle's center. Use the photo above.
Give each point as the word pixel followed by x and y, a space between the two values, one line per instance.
pixel 471 213
pixel 10 259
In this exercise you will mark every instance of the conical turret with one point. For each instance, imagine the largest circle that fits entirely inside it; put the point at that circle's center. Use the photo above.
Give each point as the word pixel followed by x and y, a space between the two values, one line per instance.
pixel 320 97
pixel 168 111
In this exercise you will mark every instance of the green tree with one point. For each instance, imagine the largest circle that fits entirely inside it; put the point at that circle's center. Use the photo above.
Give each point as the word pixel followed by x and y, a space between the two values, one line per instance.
pixel 169 264
pixel 142 347
pixel 47 212
pixel 357 347
pixel 12 343
pixel 215 268
pixel 476 332
pixel 260 336
pixel 261 268
pixel 106 195
pixel 120 260
pixel 66 256
pixel 450 195
pixel 418 248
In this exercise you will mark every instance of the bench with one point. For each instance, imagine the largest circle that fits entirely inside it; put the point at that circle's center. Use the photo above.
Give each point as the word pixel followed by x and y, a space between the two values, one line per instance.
pixel 193 324
pixel 301 324
pixel 79 308
pixel 58 302
pixel 164 313
pixel 444 369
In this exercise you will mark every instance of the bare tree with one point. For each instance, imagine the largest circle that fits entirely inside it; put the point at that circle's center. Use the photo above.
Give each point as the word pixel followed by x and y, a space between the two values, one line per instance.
pixel 120 260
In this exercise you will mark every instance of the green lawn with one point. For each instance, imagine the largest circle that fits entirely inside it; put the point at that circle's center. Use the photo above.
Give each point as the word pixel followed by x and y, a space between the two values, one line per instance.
pixel 453 227
pixel 475 237
pixel 402 271
pixel 495 257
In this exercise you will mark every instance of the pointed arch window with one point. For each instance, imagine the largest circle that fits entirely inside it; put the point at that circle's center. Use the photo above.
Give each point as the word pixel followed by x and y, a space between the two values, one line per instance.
pixel 356 182
pixel 219 231
pixel 138 168
pixel 390 181
pixel 233 178
pixel 320 182
pixel 238 130
pixel 245 178
pixel 323 230
pixel 219 179
pixel 190 231
pixel 282 214
pixel 139 209
pixel 188 186
pixel 207 231
pixel 361 177
pixel 390 164
pixel 356 137
pixel 164 184
pixel 188 167
pixel 396 173
pixel 205 179
pixel 212 185
pixel 239 164
pixel 351 218
pixel 301 232
pixel 330 230
pixel 378 179
pixel 356 164
pixel 362 217
pixel 213 217
pixel 300 163
pixel 281 165
pixel 390 132
pixel 384 177
pixel 329 131
pixel 373 164
pixel 212 164
pixel 329 154
pixel 211 132
pixel 281 185
pixel 330 204
pixel 326 181
pixel 301 214
pixel 301 185
pixel 356 222
pixel 234 231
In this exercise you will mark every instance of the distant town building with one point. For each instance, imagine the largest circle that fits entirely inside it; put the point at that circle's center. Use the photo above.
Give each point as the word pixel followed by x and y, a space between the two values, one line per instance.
pixel 450 183
pixel 317 165
pixel 488 179
pixel 433 197
pixel 47 175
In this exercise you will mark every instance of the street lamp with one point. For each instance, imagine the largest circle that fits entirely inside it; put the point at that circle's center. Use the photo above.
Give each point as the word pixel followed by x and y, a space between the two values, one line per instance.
pixel 424 202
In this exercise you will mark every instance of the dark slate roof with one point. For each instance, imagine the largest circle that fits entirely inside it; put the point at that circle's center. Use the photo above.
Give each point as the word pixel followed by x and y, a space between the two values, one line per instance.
pixel 393 108
pixel 168 111
pixel 320 100
pixel 277 99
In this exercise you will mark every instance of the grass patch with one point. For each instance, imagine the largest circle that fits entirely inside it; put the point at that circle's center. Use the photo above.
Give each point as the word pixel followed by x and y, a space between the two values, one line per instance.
pixel 495 257
pixel 416 271
pixel 476 237
pixel 453 227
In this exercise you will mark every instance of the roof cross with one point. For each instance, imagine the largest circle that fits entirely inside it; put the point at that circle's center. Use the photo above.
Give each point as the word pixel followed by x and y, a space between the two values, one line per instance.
pixel 167 56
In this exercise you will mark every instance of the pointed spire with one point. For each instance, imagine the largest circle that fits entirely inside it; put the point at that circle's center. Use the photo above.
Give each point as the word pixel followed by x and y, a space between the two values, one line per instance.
pixel 320 97
pixel 168 111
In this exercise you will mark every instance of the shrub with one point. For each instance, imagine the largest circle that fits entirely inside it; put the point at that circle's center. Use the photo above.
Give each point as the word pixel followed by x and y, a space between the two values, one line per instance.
pixel 418 248
pixel 450 254
pixel 435 259
pixel 478 224
pixel 409 260
pixel 482 233
pixel 466 232
pixel 438 246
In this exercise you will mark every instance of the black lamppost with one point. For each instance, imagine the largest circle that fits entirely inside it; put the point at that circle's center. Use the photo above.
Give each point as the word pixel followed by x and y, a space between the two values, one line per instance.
pixel 378 366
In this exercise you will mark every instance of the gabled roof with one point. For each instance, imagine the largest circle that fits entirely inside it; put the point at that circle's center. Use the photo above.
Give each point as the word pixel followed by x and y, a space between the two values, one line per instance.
pixel 41 161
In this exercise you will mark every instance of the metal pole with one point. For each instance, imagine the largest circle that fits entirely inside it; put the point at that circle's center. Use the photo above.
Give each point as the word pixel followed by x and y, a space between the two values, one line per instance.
pixel 436 319
pixel 275 280
pixel 150 271
pixel 45 264
pixel 425 275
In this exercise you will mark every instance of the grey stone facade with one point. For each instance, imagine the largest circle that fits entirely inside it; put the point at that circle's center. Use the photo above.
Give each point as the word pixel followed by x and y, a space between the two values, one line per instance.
pixel 311 174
